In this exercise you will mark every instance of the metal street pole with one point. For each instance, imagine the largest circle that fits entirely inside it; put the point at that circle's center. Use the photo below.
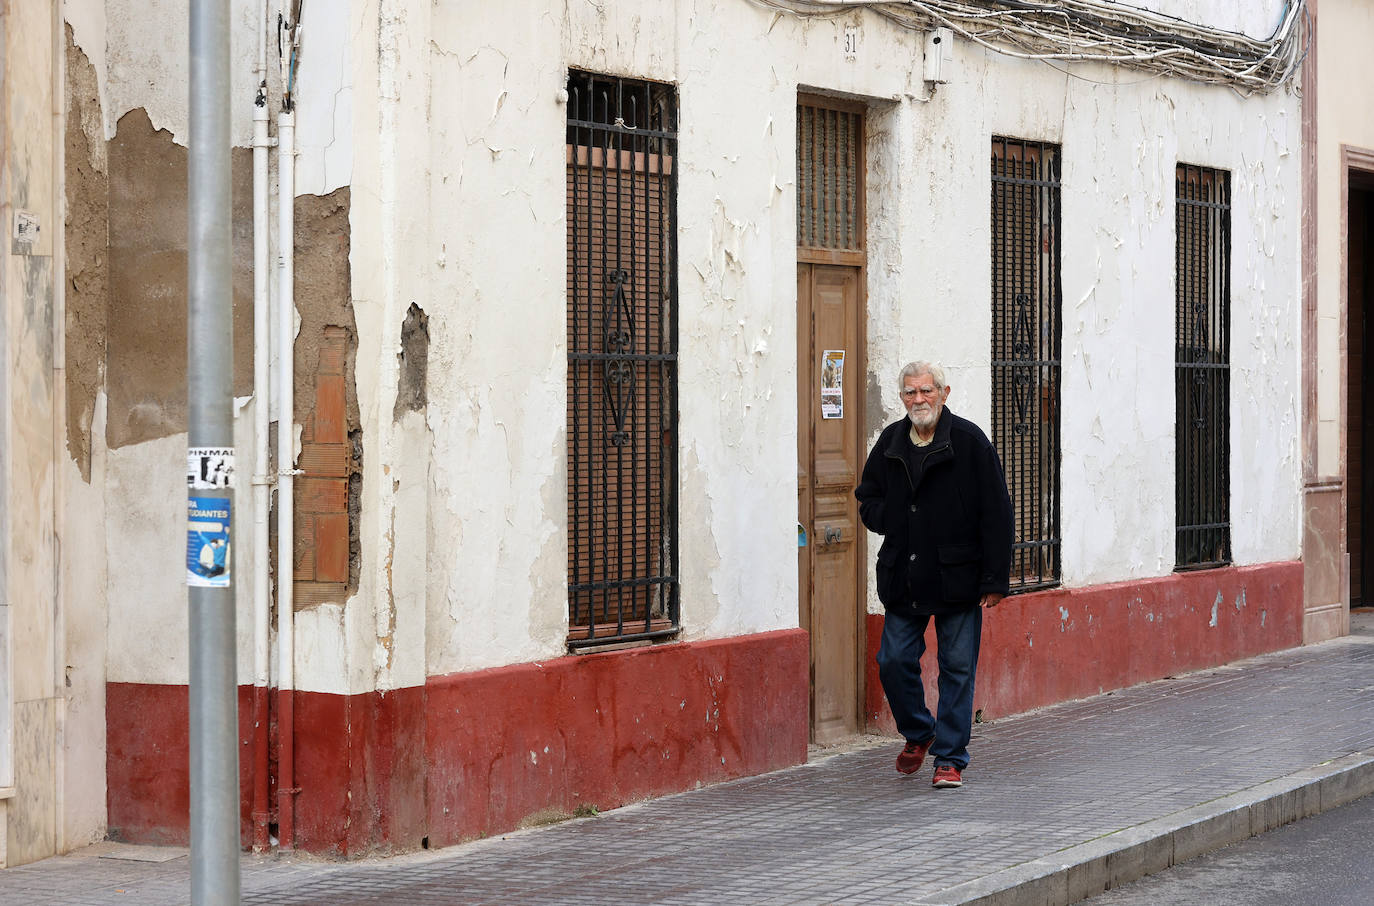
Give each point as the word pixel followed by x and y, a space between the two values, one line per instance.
pixel 210 468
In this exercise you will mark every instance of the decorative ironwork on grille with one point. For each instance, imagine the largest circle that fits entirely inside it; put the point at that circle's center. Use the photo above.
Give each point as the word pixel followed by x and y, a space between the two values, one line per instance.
pixel 829 173
pixel 1202 370
pixel 1025 349
pixel 622 359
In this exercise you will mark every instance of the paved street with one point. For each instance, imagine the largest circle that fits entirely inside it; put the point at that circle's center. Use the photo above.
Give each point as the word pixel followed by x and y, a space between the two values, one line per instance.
pixel 1322 861
pixel 1058 804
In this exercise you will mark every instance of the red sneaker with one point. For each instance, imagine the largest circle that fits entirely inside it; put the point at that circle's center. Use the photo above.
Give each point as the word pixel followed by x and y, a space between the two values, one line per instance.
pixel 946 775
pixel 913 754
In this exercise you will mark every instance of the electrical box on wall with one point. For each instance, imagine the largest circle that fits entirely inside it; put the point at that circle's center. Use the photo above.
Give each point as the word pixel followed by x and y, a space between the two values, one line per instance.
pixel 939 55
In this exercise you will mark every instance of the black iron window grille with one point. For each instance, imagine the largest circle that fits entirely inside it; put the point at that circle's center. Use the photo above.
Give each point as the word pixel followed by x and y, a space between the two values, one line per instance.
pixel 1202 368
pixel 1025 350
pixel 622 360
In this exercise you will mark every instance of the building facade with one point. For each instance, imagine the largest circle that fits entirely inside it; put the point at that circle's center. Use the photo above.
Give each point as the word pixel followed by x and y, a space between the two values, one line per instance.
pixel 574 285
pixel 1338 165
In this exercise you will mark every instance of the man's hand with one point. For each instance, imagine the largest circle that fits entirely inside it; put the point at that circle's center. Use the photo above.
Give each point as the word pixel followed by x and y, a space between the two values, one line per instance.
pixel 990 599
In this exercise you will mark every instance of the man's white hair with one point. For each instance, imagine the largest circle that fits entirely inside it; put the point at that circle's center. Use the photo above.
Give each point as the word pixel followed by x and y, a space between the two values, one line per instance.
pixel 916 369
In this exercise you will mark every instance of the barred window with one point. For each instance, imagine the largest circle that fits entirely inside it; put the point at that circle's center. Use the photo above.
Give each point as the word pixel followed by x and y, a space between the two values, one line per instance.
pixel 1202 372
pixel 1025 349
pixel 622 359
pixel 829 178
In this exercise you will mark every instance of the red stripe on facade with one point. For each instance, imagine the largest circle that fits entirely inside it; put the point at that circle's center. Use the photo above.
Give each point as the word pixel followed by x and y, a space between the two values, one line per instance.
pixel 1062 644
pixel 481 752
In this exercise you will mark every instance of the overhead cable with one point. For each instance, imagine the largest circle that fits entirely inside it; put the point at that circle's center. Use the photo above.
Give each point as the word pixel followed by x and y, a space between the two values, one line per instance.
pixel 1097 31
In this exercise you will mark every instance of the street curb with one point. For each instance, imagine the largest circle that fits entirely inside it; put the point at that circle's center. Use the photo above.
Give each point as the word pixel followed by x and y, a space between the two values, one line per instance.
pixel 1123 856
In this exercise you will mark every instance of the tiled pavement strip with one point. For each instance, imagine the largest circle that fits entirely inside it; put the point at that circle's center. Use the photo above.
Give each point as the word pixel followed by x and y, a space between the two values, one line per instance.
pixel 1057 803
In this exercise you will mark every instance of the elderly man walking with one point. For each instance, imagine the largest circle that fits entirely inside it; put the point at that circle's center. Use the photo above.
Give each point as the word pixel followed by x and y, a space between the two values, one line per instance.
pixel 933 488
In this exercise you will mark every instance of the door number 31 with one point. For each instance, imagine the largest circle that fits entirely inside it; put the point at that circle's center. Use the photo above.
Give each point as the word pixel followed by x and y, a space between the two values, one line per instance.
pixel 851 42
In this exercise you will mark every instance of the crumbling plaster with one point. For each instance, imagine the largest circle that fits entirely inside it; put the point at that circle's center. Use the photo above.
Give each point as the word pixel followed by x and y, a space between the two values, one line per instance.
pixel 471 490
pixel 737 290
pixel 928 253
pixel 81 474
pixel 138 55
pixel 86 21
pixel 324 99
pixel 374 130
pixel 141 49
pixel 494 266
pixel 1121 136
pixel 503 177
pixel 86 242
pixel 145 63
pixel 145 545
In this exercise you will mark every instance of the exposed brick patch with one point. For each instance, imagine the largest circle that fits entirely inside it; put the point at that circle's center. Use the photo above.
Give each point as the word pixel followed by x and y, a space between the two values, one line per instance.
pixel 331 547
pixel 322 491
pixel 327 490
pixel 311 594
pixel 321 495
pixel 328 460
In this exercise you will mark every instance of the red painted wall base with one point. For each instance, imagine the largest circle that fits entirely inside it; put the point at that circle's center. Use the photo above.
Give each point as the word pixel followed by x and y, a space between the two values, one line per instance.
pixel 1053 646
pixel 480 753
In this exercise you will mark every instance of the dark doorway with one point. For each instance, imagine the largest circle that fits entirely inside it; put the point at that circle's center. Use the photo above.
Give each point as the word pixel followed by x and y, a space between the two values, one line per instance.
pixel 1360 395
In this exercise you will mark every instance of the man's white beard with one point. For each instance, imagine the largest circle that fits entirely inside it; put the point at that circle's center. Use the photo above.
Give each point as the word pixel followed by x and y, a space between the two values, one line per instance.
pixel 924 418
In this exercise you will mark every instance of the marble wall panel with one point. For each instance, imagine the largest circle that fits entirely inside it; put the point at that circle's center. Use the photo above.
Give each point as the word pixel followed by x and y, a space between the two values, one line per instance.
pixel 31 825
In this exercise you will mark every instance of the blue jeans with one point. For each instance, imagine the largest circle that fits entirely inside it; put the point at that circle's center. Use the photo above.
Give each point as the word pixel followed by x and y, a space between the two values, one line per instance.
pixel 957 636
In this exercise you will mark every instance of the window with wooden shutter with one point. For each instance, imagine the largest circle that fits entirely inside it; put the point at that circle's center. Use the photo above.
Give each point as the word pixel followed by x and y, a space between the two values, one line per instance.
pixel 829 175
pixel 622 359
pixel 1025 349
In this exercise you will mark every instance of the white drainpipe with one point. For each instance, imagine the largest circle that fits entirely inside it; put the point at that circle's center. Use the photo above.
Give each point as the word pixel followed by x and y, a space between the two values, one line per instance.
pixel 262 481
pixel 286 463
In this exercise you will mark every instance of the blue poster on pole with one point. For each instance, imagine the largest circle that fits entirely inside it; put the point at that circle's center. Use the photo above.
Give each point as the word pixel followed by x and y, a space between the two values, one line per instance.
pixel 208 560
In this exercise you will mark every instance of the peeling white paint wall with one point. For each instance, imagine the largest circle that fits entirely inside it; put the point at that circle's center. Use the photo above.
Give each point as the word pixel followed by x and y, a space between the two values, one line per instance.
pixel 145 546
pixel 495 271
pixel 139 53
pixel 1120 143
pixel 87 21
pixel 324 99
pixel 446 122
pixel 928 286
pixel 145 542
pixel 145 64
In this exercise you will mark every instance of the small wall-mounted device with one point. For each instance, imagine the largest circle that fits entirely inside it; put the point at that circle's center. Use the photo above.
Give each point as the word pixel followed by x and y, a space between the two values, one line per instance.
pixel 939 55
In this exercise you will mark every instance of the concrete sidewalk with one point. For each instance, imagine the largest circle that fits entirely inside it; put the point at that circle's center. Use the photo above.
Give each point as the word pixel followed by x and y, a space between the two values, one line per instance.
pixel 1057 805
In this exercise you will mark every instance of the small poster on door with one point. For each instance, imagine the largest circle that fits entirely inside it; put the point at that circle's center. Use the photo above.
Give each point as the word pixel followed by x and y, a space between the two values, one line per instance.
pixel 832 383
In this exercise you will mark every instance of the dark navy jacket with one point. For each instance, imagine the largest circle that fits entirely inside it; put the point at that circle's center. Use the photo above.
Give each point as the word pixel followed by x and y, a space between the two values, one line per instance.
pixel 944 514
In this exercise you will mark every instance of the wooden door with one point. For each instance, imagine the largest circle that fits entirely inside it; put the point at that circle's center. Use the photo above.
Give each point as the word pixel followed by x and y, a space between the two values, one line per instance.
pixel 830 455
